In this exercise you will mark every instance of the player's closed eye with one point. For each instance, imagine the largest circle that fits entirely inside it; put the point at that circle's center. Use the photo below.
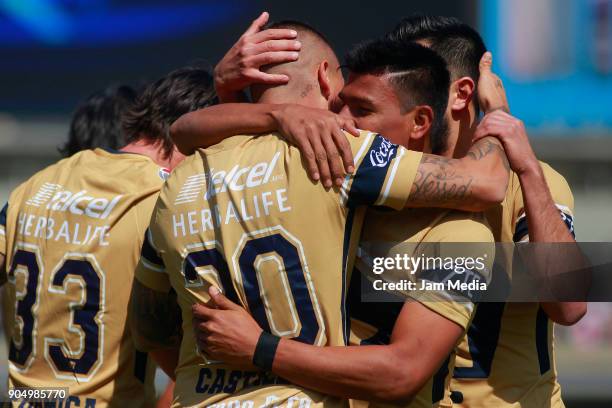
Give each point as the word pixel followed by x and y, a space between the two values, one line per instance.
pixel 359 111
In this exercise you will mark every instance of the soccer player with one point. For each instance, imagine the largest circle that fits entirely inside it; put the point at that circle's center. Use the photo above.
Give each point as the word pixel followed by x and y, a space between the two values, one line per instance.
pixel 507 359
pixel 97 120
pixel 462 47
pixel 248 230
pixel 398 84
pixel 70 239
pixel 502 332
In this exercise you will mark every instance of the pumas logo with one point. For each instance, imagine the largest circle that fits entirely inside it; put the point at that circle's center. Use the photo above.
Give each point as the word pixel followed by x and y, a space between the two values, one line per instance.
pixel 163 173
pixel 384 153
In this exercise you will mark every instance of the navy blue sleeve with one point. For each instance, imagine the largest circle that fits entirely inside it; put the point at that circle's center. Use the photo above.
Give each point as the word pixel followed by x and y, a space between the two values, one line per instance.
pixel 369 179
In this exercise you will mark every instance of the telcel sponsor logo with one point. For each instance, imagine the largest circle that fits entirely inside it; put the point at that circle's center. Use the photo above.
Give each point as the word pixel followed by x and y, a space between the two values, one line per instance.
pixel 239 178
pixel 381 157
pixel 81 204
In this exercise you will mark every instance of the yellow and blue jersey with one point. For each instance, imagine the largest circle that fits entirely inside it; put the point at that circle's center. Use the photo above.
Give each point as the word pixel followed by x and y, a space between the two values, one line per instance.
pixel 244 216
pixel 413 232
pixel 71 235
pixel 507 357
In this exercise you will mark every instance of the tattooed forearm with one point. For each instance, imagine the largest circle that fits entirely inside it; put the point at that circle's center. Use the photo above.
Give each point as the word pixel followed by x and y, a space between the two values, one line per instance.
pixel 155 318
pixel 472 183
pixel 488 146
pixel 437 183
pixel 481 149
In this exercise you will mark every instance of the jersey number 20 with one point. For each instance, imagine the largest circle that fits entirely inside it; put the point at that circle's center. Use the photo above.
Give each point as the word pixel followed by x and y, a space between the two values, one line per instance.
pixel 254 249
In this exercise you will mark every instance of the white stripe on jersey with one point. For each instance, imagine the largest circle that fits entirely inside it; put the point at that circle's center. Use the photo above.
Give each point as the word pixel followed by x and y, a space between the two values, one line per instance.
pixel 347 179
pixel 384 196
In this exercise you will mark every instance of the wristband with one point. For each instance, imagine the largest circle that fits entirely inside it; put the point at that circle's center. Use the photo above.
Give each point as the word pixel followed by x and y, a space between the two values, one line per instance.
pixel 265 351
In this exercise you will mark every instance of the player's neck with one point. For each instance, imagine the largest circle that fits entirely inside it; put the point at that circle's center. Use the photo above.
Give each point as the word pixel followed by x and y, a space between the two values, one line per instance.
pixel 155 152
pixel 282 95
pixel 460 133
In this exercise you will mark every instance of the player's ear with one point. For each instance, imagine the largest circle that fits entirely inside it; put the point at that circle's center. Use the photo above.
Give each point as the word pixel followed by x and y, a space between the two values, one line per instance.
pixel 423 119
pixel 324 80
pixel 461 94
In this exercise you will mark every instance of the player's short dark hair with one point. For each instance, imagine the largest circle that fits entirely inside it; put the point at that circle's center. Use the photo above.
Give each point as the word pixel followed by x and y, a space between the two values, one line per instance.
pixel 164 101
pixel 420 77
pixel 459 44
pixel 96 122
pixel 298 26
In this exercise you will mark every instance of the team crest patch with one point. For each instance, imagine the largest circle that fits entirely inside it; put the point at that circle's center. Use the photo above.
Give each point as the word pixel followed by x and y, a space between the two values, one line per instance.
pixel 164 173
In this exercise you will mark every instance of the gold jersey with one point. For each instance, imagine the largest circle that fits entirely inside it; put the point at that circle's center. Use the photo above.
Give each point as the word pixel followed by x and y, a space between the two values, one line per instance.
pixel 372 322
pixel 507 358
pixel 244 216
pixel 72 236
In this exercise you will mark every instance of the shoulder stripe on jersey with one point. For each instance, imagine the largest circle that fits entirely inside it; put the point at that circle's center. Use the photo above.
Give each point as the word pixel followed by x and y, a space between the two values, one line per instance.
pixel 150 255
pixel 521 230
pixel 383 198
pixel 3 215
pixel 348 228
pixel 364 146
pixel 347 179
pixel 369 178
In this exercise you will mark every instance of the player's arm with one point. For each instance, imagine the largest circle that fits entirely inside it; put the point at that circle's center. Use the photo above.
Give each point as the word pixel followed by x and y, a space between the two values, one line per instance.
pixel 155 316
pixel 208 126
pixel 155 320
pixel 546 225
pixel 317 133
pixel 473 183
pixel 393 372
pixel 541 213
pixel 544 221
pixel 370 373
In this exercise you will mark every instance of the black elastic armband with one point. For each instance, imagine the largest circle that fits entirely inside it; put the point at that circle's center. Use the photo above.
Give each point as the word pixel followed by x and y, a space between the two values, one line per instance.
pixel 265 351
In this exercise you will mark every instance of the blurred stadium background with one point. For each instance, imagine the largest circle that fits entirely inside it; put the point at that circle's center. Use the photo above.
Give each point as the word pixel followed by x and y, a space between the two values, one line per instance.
pixel 555 57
